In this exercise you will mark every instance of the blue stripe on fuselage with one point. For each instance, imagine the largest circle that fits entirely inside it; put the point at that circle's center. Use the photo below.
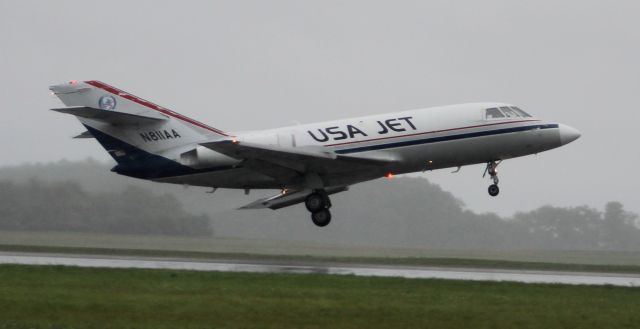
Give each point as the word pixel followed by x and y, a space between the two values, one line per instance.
pixel 443 138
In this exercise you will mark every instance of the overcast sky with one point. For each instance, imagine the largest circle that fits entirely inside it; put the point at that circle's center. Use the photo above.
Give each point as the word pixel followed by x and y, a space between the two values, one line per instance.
pixel 240 65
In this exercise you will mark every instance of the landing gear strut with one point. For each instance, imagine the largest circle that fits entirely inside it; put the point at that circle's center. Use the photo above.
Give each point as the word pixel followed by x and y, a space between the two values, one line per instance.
pixel 318 204
pixel 491 170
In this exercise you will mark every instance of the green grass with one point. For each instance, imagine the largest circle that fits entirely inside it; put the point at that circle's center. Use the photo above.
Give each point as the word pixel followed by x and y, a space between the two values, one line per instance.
pixel 69 297
pixel 407 261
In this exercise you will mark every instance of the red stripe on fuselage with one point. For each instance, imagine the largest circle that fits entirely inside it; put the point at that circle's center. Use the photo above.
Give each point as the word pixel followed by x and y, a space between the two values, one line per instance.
pixel 152 106
pixel 432 132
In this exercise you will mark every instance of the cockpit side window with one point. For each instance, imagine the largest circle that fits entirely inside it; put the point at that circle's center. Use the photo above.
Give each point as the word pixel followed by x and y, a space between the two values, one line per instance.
pixel 509 112
pixel 493 113
pixel 521 112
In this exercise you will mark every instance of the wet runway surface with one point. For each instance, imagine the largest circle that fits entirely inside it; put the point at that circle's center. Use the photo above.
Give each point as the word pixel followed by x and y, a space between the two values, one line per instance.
pixel 226 265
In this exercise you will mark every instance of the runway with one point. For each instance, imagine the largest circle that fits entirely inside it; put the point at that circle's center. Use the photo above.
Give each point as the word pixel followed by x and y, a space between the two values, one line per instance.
pixel 413 272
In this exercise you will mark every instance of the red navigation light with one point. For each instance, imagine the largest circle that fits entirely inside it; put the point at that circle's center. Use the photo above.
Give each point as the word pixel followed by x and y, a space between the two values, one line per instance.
pixel 73 82
pixel 389 175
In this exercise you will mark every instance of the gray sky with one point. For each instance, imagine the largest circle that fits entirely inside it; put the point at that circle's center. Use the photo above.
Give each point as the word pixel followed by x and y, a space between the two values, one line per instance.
pixel 261 64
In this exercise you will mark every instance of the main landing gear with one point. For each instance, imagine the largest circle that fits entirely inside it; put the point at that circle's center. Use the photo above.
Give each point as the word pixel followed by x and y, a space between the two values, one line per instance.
pixel 491 169
pixel 318 204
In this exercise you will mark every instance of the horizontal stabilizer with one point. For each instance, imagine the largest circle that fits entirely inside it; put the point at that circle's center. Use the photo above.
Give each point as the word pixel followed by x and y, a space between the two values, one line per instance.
pixel 113 117
pixel 86 134
pixel 288 198
pixel 99 101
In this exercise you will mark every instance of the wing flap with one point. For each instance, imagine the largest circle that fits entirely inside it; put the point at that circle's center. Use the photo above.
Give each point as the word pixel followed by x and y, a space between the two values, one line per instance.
pixel 113 117
pixel 86 134
pixel 288 198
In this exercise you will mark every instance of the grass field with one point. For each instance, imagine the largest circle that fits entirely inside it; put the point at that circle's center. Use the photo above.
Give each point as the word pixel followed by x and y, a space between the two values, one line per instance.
pixel 67 297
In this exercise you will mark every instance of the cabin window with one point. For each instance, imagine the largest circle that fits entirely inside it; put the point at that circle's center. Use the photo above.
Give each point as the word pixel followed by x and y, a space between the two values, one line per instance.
pixel 521 112
pixel 494 113
pixel 509 112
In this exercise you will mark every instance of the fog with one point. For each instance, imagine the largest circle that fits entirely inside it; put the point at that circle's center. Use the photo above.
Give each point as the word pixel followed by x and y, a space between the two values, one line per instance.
pixel 397 213
pixel 240 65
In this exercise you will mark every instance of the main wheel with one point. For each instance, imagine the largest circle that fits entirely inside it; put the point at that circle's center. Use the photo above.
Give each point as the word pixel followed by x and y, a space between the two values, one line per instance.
pixel 493 190
pixel 321 218
pixel 315 202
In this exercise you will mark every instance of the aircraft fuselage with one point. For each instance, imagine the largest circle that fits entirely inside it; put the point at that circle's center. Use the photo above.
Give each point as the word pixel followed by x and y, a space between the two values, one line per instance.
pixel 418 140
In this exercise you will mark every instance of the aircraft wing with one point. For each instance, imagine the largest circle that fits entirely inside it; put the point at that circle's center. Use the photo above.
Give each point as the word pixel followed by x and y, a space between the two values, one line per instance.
pixel 113 117
pixel 267 158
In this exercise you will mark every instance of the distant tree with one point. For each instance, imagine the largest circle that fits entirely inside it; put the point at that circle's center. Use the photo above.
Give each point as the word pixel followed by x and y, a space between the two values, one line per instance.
pixel 619 230
pixel 559 228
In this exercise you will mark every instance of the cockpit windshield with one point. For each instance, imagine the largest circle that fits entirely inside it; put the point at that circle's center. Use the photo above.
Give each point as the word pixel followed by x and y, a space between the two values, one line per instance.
pixel 521 112
pixel 505 112
pixel 509 112
pixel 494 113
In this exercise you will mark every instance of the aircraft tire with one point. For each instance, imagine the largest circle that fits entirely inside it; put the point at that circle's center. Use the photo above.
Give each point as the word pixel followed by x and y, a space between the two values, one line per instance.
pixel 315 202
pixel 321 218
pixel 494 190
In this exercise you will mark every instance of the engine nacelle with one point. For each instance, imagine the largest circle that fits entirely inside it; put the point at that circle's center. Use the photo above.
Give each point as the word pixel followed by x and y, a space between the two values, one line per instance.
pixel 202 157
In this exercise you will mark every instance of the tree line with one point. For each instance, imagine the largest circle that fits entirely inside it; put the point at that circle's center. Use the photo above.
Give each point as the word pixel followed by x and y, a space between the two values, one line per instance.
pixel 423 215
pixel 405 212
pixel 65 206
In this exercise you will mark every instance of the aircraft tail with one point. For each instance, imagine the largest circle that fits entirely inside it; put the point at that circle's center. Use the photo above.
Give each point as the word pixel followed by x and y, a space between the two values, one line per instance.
pixel 138 134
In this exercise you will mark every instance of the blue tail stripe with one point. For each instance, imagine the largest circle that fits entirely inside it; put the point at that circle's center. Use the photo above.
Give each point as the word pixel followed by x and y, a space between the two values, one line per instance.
pixel 134 162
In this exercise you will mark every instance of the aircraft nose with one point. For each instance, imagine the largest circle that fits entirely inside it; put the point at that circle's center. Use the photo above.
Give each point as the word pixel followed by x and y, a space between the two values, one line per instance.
pixel 568 134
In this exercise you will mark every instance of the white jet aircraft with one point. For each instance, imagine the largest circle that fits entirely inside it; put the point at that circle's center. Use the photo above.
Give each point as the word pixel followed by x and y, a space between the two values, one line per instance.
pixel 307 163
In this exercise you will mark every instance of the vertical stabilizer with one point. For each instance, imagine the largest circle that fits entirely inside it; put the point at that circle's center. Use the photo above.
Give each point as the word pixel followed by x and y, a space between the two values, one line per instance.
pixel 133 130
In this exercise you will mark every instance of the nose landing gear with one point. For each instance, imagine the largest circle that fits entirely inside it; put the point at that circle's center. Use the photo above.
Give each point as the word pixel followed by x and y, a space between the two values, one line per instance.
pixel 318 204
pixel 491 170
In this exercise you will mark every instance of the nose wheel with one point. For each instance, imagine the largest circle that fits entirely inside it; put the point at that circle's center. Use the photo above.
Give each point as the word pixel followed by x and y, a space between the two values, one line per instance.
pixel 493 189
pixel 318 204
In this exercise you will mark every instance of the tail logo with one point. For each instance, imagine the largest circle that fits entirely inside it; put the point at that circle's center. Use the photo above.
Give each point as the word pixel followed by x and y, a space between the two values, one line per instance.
pixel 107 102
